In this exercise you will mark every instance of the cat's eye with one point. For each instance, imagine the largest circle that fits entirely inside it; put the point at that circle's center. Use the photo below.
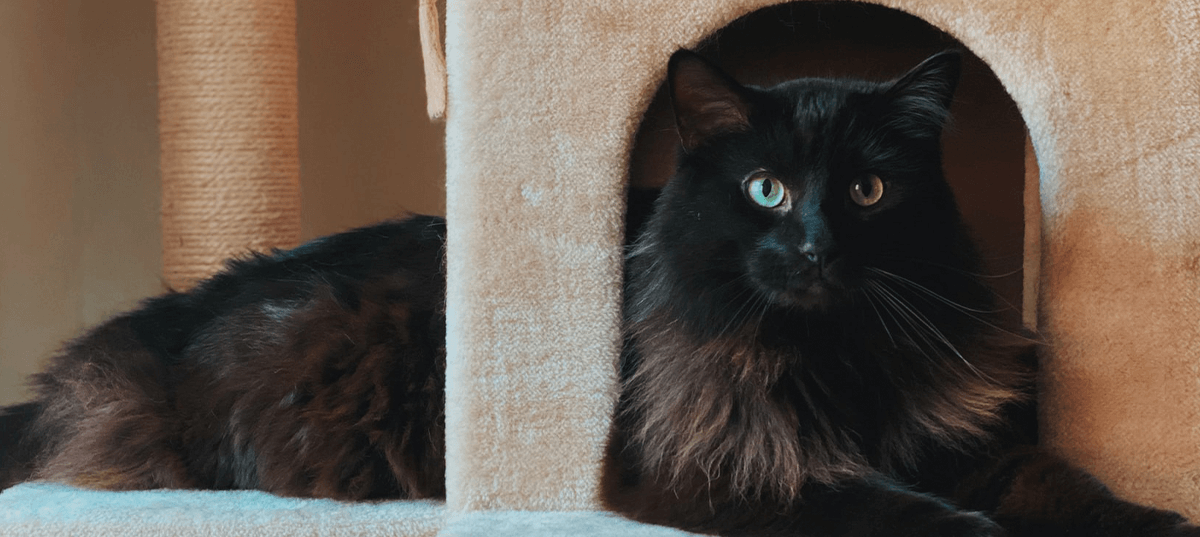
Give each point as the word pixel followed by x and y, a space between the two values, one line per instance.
pixel 764 190
pixel 866 191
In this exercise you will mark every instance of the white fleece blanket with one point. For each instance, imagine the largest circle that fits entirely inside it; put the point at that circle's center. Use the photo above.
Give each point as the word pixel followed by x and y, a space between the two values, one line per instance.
pixel 33 509
pixel 50 509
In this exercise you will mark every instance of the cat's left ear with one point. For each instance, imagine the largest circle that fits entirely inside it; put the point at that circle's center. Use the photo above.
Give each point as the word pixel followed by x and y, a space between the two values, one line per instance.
pixel 920 99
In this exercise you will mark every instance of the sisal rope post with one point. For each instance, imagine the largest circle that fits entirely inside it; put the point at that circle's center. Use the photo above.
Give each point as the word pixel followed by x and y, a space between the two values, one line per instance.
pixel 228 132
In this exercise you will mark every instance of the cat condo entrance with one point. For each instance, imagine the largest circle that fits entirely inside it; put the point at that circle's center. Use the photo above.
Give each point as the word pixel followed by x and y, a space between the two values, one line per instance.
pixel 985 144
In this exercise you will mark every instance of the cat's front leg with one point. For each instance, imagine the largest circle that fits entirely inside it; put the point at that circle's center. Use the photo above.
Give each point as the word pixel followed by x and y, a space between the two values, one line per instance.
pixel 1035 494
pixel 878 507
pixel 861 507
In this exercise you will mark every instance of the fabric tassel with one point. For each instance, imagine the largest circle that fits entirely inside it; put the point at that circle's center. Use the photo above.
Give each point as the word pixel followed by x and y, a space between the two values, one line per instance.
pixel 435 59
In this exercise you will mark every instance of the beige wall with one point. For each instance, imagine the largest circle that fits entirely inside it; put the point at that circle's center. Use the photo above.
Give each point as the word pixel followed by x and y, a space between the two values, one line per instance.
pixel 367 149
pixel 79 192
pixel 78 172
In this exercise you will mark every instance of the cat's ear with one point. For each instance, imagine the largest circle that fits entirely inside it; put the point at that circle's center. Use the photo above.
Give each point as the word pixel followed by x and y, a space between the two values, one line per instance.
pixel 706 100
pixel 920 99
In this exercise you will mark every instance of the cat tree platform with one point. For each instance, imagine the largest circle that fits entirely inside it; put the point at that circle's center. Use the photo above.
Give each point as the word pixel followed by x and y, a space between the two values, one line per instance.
pixel 544 97
pixel 52 509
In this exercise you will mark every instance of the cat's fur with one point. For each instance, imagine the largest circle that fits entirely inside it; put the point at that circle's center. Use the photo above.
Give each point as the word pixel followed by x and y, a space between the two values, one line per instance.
pixel 313 372
pixel 823 366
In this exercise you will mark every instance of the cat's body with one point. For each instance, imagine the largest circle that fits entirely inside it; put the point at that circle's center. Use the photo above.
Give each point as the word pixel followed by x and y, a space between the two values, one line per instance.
pixel 312 372
pixel 808 349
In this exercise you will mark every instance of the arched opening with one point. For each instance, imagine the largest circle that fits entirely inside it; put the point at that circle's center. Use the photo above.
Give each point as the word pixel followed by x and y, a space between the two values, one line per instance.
pixel 985 147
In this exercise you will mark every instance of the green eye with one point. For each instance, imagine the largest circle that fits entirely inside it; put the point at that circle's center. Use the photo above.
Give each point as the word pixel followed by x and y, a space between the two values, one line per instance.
pixel 764 190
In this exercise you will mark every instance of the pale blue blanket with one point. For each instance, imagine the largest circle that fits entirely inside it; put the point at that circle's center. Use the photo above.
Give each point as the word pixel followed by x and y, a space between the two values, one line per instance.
pixel 53 509
pixel 45 509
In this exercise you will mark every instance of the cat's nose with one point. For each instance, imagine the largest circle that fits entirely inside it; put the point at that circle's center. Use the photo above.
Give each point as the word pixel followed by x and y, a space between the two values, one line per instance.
pixel 810 254
pixel 813 251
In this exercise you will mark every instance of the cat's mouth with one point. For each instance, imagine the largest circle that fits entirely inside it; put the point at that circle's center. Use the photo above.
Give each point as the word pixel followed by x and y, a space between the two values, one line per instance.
pixel 807 295
pixel 797 284
pixel 806 290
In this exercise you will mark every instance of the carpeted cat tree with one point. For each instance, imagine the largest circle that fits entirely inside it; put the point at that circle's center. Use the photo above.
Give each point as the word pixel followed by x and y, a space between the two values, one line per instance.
pixel 544 97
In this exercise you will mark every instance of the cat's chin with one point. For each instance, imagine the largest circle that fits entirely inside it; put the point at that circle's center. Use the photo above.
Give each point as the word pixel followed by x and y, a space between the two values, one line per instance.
pixel 813 298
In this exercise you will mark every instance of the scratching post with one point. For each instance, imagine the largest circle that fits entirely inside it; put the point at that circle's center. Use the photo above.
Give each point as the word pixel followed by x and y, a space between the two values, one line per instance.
pixel 228 132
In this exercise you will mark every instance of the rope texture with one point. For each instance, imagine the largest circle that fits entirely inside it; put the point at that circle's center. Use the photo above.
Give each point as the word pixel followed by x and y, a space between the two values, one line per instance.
pixel 228 130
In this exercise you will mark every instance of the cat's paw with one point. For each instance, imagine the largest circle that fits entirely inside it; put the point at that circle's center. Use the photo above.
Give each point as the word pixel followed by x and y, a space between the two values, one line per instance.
pixel 959 524
pixel 1182 529
pixel 1130 520
pixel 1153 522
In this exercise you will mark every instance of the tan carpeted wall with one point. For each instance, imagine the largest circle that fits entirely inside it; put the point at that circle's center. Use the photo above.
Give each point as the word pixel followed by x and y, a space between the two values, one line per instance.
pixel 544 98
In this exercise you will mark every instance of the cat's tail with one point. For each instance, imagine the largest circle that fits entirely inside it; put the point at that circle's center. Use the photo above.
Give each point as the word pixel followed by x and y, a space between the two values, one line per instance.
pixel 16 443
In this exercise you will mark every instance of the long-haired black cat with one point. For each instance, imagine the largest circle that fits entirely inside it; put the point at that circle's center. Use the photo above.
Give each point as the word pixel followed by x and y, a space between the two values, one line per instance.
pixel 808 349
pixel 313 372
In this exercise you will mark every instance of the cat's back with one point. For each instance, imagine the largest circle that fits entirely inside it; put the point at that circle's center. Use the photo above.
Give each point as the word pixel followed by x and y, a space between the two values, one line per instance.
pixel 301 372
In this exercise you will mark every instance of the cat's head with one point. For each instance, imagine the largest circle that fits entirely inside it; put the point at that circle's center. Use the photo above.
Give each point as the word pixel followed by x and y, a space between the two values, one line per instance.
pixel 802 195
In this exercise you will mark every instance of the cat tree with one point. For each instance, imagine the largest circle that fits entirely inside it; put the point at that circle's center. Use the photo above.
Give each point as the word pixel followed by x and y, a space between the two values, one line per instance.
pixel 544 97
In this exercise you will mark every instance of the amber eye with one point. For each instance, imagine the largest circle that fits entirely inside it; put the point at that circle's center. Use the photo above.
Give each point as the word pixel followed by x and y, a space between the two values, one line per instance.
pixel 764 190
pixel 866 191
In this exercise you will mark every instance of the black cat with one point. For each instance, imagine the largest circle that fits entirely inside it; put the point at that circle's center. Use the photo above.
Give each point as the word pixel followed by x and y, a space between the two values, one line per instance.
pixel 808 349
pixel 312 372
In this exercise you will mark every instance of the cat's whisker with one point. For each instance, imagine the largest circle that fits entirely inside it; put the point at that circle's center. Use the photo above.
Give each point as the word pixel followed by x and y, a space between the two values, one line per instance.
pixel 867 293
pixel 909 316
pixel 738 317
pixel 1008 306
pixel 930 292
pixel 906 314
pixel 944 266
pixel 885 301
pixel 739 279
pixel 969 312
pixel 914 313
pixel 755 306
pixel 762 312
pixel 762 304
pixel 917 317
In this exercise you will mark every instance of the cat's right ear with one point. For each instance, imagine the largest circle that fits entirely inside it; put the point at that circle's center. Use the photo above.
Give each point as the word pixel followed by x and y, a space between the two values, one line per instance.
pixel 706 100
